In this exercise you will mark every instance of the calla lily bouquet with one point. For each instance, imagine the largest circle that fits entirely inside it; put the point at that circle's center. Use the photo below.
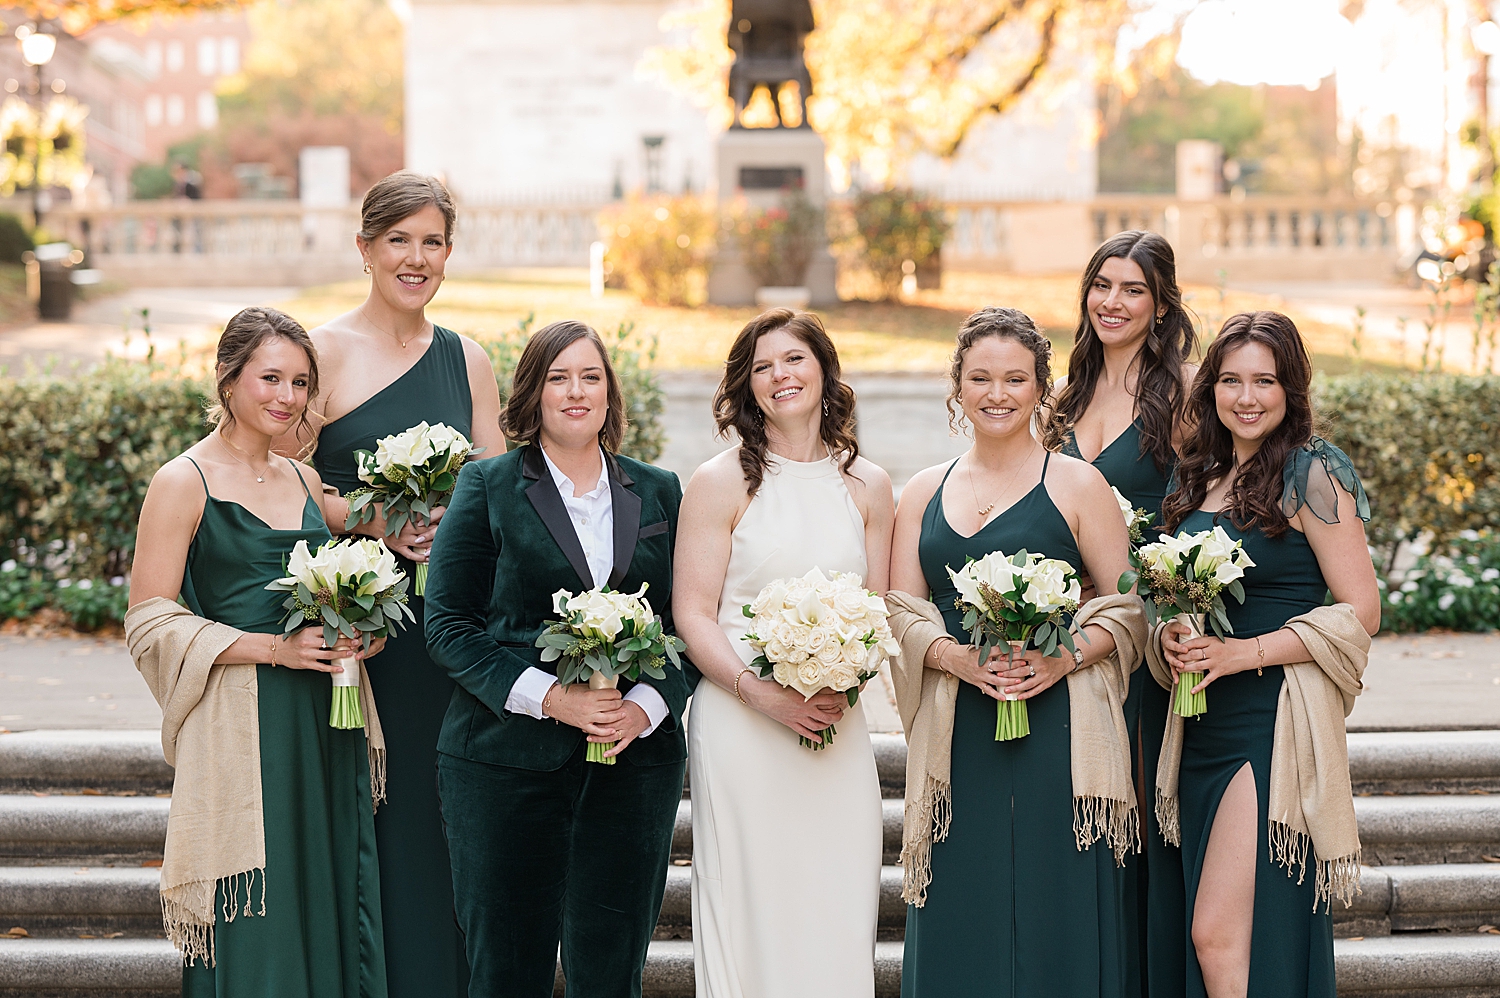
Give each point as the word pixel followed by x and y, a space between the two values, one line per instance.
pixel 353 589
pixel 1020 601
pixel 1189 573
pixel 407 475
pixel 819 632
pixel 1136 518
pixel 602 636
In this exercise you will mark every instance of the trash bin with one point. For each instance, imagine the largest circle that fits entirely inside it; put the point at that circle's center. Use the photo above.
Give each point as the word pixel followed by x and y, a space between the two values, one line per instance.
pixel 54 264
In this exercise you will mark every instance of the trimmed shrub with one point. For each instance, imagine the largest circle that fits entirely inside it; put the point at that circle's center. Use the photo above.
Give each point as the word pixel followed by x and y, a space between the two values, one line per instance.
pixel 644 398
pixel 14 239
pixel 658 248
pixel 893 227
pixel 1425 447
pixel 1458 589
pixel 778 243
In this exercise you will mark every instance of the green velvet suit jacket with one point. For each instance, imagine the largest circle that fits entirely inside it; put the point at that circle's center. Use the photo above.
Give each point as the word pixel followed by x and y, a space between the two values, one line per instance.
pixel 505 546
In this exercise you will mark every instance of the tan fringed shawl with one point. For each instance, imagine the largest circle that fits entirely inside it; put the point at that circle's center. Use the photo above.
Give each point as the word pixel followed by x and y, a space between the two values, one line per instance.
pixel 1104 804
pixel 210 733
pixel 1311 801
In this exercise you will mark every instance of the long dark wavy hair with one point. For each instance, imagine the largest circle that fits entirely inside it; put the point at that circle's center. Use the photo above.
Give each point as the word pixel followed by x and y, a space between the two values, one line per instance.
pixel 1006 323
pixel 1160 387
pixel 735 407
pixel 1254 499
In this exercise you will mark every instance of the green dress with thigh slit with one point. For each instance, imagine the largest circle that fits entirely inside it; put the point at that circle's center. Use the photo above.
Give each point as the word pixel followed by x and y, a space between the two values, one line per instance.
pixel 1154 904
pixel 320 936
pixel 1291 946
pixel 1014 909
pixel 424 948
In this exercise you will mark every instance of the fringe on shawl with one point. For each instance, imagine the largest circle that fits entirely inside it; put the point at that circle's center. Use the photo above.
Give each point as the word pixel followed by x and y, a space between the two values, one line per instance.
pixel 929 817
pixel 1115 821
pixel 181 907
pixel 1169 819
pixel 377 775
pixel 1333 878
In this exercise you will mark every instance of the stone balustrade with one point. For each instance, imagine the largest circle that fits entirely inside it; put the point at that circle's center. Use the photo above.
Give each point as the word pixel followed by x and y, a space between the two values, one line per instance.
pixel 281 243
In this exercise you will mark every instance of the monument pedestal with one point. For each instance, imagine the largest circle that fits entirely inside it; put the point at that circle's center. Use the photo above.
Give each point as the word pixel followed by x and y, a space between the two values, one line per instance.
pixel 757 164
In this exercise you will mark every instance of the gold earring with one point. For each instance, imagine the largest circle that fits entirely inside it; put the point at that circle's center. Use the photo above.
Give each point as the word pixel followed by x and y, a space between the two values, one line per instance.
pixel 367 266
pixel 228 394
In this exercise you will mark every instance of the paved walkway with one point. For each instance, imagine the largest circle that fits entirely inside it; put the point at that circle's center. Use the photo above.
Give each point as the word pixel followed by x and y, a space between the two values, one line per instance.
pixel 1421 682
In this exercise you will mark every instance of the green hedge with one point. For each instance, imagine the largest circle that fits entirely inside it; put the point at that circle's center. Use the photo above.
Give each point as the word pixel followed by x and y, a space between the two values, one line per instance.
pixel 1427 448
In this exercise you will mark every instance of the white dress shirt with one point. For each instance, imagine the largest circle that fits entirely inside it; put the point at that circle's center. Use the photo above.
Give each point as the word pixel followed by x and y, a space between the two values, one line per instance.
pixel 593 518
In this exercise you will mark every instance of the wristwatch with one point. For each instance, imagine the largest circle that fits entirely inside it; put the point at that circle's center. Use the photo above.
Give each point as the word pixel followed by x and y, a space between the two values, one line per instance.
pixel 1077 659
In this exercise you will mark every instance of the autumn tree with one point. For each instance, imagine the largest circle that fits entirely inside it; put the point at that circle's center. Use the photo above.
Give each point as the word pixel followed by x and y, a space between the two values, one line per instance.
pixel 77 16
pixel 892 78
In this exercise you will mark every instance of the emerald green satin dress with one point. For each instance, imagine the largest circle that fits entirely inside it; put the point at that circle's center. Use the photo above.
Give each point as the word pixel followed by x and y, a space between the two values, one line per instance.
pixel 320 936
pixel 1154 901
pixel 1014 909
pixel 1291 947
pixel 423 945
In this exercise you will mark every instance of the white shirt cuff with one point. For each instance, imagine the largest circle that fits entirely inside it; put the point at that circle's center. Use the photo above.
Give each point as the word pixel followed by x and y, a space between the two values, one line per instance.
pixel 529 691
pixel 645 697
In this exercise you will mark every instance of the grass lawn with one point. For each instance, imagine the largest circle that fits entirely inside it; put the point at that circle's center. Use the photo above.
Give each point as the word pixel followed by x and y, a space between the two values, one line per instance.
pixel 915 335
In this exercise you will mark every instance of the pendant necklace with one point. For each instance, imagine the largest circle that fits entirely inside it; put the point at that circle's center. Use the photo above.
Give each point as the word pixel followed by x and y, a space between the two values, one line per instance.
pixel 232 449
pixel 394 336
pixel 984 511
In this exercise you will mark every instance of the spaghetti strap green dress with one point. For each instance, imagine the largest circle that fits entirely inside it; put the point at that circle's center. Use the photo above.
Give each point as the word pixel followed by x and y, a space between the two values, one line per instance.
pixel 320 936
pixel 1014 909
pixel 1291 945
pixel 424 948
pixel 1154 901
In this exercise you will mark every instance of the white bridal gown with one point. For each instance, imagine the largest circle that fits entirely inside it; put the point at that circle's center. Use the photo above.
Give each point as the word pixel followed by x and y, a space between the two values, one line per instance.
pixel 786 841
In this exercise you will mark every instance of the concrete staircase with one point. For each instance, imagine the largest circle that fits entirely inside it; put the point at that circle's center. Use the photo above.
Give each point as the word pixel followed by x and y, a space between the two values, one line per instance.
pixel 83 818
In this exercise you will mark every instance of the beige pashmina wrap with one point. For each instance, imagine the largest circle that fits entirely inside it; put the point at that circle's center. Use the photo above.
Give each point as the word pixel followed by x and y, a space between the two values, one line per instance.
pixel 210 733
pixel 1311 802
pixel 1104 804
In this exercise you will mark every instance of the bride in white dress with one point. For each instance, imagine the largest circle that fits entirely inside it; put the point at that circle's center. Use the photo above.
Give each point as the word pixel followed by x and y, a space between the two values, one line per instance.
pixel 786 841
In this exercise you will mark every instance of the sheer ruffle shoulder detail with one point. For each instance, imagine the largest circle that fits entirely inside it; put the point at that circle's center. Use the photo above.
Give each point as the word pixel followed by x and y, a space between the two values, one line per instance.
pixel 1309 480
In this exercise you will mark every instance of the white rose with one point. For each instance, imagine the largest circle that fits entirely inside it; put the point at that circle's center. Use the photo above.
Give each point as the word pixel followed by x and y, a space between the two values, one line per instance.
pixel 816 639
pixel 829 653
pixel 785 673
pixel 842 677
pixel 809 679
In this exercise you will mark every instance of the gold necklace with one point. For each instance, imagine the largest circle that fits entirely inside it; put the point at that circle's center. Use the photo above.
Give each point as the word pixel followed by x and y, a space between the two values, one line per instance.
pixel 379 328
pixel 984 511
pixel 234 453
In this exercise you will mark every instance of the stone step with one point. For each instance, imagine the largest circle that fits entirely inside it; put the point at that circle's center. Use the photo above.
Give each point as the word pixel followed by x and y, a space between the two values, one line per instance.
pixel 1419 829
pixel 1452 896
pixel 73 900
pixel 100 828
pixel 74 760
pixel 1424 762
pixel 1430 965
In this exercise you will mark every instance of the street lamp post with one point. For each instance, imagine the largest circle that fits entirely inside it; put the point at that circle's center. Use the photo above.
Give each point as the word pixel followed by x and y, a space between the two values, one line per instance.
pixel 37 48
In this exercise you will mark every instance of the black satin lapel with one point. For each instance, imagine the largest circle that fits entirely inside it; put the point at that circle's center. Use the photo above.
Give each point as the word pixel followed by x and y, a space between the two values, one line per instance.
pixel 627 512
pixel 549 506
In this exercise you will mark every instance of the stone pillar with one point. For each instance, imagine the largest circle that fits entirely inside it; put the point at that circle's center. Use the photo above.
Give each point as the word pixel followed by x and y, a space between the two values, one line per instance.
pixel 756 164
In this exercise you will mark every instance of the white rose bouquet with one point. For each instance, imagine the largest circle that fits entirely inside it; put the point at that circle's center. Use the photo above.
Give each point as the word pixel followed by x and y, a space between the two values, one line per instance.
pixel 1020 601
pixel 408 474
pixel 354 589
pixel 819 632
pixel 605 635
pixel 1136 518
pixel 1189 573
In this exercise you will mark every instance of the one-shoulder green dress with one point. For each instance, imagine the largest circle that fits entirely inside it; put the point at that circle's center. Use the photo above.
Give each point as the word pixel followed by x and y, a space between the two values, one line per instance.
pixel 1014 909
pixel 320 936
pixel 1154 904
pixel 424 949
pixel 1291 947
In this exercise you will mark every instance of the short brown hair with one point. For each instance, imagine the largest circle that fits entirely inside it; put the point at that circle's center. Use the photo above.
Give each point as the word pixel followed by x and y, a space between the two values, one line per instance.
pixel 242 336
pixel 402 195
pixel 521 419
pixel 1008 324
pixel 735 406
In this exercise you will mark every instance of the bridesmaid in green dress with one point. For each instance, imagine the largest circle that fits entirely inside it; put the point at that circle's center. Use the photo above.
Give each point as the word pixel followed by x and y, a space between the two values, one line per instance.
pixel 385 369
pixel 1014 909
pixel 1120 409
pixel 215 528
pixel 1254 467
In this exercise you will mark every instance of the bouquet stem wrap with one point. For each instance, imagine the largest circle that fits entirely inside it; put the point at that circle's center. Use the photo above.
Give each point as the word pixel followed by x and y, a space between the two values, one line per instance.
pixel 1011 719
pixel 1186 703
pixel 420 585
pixel 596 750
pixel 345 712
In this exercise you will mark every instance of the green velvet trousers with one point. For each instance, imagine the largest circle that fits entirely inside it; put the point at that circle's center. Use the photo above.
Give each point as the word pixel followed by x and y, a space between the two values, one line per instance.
pixel 575 857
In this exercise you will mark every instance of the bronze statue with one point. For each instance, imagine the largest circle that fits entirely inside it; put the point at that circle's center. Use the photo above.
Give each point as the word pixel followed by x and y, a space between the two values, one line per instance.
pixel 767 37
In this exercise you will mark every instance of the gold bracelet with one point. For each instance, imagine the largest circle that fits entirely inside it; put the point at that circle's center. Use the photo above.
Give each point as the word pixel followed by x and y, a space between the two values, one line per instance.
pixel 737 695
pixel 937 656
pixel 273 651
pixel 1261 661
pixel 547 701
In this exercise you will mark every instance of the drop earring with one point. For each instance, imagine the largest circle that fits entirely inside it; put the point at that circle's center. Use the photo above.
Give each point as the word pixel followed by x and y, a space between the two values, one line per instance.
pixel 367 270
pixel 825 407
